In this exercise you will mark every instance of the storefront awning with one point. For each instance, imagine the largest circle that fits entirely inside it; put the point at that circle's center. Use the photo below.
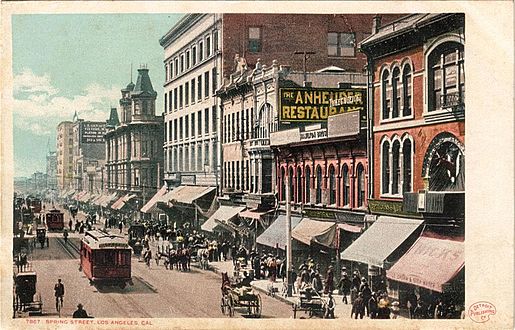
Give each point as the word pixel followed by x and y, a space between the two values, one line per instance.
pixel 429 263
pixel 380 240
pixel 122 201
pixel 350 228
pixel 275 235
pixel 311 231
pixel 84 197
pixel 105 202
pixel 254 214
pixel 187 194
pixel 223 214
pixel 150 206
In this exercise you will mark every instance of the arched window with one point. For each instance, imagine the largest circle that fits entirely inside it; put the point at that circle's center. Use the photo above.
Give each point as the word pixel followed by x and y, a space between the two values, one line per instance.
pixel 406 90
pixel 361 185
pixel 385 171
pixel 446 79
pixel 346 185
pixel 299 185
pixel 406 166
pixel 385 95
pixel 307 176
pixel 396 167
pixel 283 190
pixel 290 173
pixel 332 186
pixel 319 185
pixel 396 92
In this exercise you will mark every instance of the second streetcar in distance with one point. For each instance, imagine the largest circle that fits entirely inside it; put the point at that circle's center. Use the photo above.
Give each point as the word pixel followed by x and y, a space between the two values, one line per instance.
pixel 106 259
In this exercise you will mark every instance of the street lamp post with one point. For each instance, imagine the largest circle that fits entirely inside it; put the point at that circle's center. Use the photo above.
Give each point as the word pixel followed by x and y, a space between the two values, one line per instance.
pixel 289 262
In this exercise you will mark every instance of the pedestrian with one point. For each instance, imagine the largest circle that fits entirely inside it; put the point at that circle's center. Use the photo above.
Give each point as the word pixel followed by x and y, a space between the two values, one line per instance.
pixel 439 310
pixel 372 306
pixel 317 283
pixel 80 313
pixel 157 257
pixel 358 307
pixel 147 257
pixel 412 304
pixel 395 310
pixel 59 293
pixel 366 293
pixel 65 236
pixel 120 226
pixel 344 285
pixel 70 224
pixel 329 281
pixel 329 312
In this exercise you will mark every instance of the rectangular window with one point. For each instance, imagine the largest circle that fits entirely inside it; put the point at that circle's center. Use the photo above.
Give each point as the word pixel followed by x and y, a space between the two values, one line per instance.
pixel 186 94
pixel 181 96
pixel 206 84
pixel 199 121
pixel 170 100
pixel 182 63
pixel 193 125
pixel 237 127
pixel 171 71
pixel 213 119
pixel 186 158
pixel 248 124
pixel 175 95
pixel 254 38
pixel 187 59
pixel 166 102
pixel 167 74
pixel 199 156
pixel 340 44
pixel 199 87
pixel 186 127
pixel 175 129
pixel 215 41
pixel 214 79
pixel 206 120
pixel 181 129
pixel 206 156
pixel 193 95
pixel 208 46
pixel 170 131
pixel 200 51
pixel 176 63
pixel 194 55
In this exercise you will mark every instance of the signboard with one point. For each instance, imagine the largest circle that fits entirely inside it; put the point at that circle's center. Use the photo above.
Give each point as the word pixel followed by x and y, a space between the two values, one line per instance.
pixel 93 132
pixel 310 105
pixel 313 135
pixel 112 245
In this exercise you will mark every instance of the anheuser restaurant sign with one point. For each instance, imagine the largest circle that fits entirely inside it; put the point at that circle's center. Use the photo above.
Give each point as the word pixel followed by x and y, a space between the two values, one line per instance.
pixel 317 104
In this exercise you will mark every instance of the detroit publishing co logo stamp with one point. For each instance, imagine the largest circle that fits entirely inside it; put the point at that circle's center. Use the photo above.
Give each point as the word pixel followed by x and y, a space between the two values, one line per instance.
pixel 480 311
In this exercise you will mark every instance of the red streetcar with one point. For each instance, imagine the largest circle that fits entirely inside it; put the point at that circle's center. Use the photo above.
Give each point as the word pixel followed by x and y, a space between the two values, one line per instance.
pixel 55 220
pixel 105 259
pixel 34 204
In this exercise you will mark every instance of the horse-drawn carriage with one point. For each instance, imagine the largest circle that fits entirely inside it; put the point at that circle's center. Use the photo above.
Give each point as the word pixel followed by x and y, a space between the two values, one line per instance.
pixel 25 296
pixel 239 295
pixel 310 302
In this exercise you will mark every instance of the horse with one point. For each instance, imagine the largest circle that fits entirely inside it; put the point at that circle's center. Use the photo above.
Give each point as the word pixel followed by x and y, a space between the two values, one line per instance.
pixel 203 256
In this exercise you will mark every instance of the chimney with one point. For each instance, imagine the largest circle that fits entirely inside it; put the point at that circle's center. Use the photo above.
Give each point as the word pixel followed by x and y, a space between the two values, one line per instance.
pixel 376 25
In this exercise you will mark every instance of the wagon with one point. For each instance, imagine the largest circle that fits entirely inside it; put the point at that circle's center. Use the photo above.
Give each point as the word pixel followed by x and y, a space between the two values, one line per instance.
pixel 26 299
pixel 311 303
pixel 241 297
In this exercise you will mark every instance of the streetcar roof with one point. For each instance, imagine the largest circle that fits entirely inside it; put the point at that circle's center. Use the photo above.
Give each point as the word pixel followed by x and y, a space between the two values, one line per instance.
pixel 98 239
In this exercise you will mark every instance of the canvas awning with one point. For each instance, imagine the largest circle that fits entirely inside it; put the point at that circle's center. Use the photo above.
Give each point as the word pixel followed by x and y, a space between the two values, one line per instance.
pixel 275 234
pixel 120 203
pixel 254 214
pixel 380 240
pixel 429 263
pixel 187 194
pixel 350 228
pixel 84 197
pixel 223 214
pixel 150 206
pixel 105 202
pixel 311 231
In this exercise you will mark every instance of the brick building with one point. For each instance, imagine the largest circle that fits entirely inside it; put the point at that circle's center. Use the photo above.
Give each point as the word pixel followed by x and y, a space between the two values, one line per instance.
pixel 417 156
pixel 64 148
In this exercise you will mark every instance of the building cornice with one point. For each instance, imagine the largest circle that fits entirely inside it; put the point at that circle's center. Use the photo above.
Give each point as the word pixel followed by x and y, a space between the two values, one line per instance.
pixel 180 28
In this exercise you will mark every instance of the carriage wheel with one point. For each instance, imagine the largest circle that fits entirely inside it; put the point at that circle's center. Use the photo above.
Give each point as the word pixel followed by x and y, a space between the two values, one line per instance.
pixel 230 307
pixel 223 305
pixel 256 309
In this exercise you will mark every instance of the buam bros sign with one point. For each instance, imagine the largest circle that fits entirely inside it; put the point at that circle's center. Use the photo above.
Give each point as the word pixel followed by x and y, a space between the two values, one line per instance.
pixel 317 104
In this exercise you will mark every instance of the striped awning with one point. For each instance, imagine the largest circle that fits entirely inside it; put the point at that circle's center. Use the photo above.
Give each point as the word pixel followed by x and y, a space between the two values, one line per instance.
pixel 151 205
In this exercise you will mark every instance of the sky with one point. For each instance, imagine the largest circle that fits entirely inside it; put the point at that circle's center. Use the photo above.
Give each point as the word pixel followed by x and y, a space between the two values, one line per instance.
pixel 67 63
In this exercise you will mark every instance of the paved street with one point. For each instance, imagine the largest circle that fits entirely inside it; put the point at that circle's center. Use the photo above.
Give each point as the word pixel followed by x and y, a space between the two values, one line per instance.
pixel 157 292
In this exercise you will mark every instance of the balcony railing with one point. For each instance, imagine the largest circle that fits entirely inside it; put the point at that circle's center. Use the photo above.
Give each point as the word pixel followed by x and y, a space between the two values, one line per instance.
pixel 451 100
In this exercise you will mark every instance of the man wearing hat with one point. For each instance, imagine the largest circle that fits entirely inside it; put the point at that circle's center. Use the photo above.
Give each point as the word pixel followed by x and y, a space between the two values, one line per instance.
pixel 80 313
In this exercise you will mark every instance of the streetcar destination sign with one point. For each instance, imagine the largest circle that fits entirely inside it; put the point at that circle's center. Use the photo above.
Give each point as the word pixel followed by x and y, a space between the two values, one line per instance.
pixel 317 104
pixel 113 245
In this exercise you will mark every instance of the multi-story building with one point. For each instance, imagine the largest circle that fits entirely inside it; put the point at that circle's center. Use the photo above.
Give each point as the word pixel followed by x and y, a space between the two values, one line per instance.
pixel 417 156
pixel 202 50
pixel 64 149
pixel 133 144
pixel 51 170
pixel 88 150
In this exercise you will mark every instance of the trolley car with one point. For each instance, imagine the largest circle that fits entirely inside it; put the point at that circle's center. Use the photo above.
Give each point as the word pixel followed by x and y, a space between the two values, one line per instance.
pixel 105 259
pixel 55 220
pixel 34 204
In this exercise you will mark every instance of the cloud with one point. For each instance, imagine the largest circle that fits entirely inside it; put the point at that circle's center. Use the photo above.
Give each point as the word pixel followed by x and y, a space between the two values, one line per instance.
pixel 39 108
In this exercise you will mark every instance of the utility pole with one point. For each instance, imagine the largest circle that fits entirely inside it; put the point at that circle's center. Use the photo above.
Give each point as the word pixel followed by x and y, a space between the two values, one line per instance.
pixel 289 262
pixel 304 60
